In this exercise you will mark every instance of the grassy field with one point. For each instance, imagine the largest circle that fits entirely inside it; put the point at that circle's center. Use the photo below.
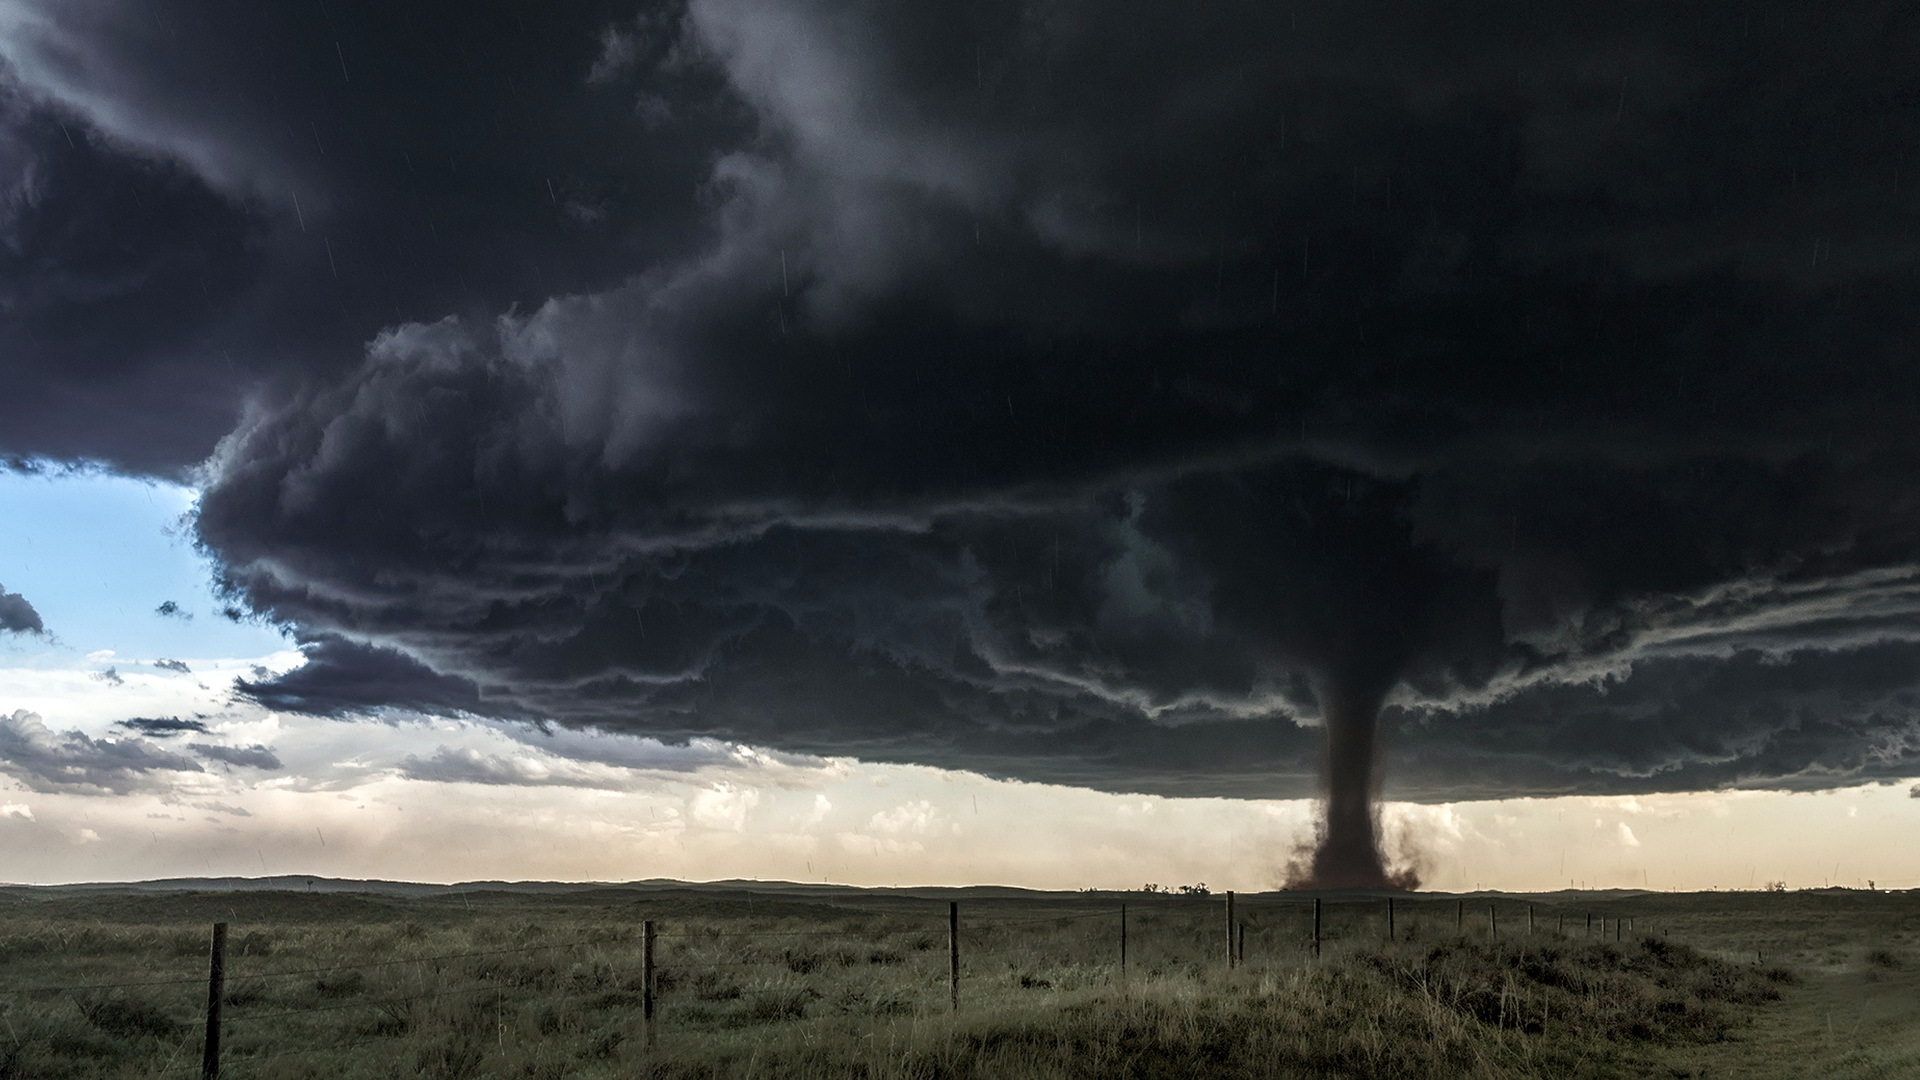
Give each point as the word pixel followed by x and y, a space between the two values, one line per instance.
pixel 796 981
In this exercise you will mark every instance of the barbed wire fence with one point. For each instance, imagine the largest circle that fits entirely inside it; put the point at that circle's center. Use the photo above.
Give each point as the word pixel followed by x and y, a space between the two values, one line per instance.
pixel 1284 930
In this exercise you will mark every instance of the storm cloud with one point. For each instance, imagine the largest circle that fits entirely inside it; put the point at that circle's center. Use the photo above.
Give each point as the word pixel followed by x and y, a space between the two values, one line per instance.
pixel 17 615
pixel 162 727
pixel 1093 392
pixel 250 757
pixel 44 760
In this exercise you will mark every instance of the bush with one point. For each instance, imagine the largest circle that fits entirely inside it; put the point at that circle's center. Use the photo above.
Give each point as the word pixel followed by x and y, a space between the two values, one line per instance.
pixel 778 1004
pixel 449 1059
pixel 340 985
pixel 129 1018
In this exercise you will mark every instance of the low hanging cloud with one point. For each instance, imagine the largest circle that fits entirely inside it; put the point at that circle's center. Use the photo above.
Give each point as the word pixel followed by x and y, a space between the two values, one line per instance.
pixel 342 677
pixel 48 761
pixel 17 615
pixel 162 726
pixel 596 759
pixel 250 757
pixel 178 667
pixel 465 765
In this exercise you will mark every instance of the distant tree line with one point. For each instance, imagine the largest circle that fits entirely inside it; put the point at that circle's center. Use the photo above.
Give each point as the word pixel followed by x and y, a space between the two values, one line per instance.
pixel 1198 889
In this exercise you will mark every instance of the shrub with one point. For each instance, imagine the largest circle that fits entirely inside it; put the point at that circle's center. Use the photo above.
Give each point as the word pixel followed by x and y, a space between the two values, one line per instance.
pixel 341 984
pixel 713 986
pixel 449 1059
pixel 778 1004
pixel 129 1018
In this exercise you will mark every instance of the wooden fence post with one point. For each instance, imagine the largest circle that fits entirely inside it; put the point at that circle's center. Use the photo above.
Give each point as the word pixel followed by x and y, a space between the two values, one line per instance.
pixel 1493 928
pixel 1316 927
pixel 953 953
pixel 1529 920
pixel 1460 917
pixel 216 990
pixel 1560 924
pixel 1123 941
pixel 1389 918
pixel 1589 924
pixel 646 981
pixel 1230 929
pixel 1240 947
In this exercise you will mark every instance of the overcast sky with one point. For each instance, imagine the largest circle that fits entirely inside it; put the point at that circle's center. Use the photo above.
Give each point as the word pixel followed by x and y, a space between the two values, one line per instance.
pixel 777 418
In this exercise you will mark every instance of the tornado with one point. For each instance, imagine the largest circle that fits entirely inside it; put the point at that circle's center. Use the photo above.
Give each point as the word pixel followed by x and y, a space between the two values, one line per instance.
pixel 1346 854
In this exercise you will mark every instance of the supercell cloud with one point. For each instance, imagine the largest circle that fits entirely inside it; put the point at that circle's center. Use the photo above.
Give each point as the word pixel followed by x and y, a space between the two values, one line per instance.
pixel 1100 393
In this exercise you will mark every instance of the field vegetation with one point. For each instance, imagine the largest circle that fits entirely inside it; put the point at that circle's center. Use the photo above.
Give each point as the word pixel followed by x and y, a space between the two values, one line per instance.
pixel 794 982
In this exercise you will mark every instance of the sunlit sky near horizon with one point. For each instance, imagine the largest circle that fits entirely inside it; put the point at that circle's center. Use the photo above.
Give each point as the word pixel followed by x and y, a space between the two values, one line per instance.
pixel 448 798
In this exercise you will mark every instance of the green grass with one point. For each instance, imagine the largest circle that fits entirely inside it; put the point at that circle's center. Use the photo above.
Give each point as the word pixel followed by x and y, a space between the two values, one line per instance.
pixel 844 984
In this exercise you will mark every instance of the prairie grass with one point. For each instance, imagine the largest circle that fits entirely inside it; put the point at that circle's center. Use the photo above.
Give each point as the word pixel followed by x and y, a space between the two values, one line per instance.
pixel 502 985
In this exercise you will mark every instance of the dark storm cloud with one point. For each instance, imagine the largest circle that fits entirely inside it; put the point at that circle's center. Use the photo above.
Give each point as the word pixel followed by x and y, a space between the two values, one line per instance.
pixel 342 678
pixel 1801 720
pixel 162 727
pixel 178 667
pixel 1091 392
pixel 17 615
pixel 169 609
pixel 207 204
pixel 251 757
pixel 45 760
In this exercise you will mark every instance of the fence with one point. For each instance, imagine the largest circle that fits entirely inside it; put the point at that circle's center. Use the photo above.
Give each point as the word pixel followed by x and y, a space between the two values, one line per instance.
pixel 1173 937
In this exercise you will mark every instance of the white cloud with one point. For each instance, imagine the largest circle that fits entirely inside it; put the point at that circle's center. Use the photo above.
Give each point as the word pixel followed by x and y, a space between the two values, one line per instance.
pixel 879 847
pixel 16 810
pixel 723 807
pixel 918 817
pixel 1625 835
pixel 469 765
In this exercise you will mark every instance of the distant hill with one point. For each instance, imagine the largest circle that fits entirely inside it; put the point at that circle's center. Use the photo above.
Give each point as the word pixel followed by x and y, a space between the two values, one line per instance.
pixel 819 891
